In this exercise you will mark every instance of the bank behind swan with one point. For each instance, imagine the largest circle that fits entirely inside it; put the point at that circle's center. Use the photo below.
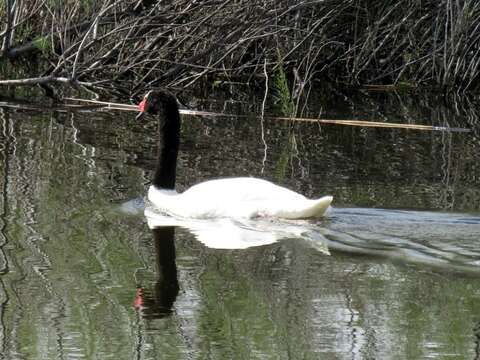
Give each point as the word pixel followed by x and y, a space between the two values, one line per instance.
pixel 243 197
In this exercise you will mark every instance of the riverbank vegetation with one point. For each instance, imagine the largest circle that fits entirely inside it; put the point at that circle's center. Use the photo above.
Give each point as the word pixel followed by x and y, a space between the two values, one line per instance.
pixel 123 47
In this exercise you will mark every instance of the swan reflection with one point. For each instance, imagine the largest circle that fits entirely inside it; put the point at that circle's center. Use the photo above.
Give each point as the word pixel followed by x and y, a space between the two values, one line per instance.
pixel 157 303
pixel 222 233
pixel 227 233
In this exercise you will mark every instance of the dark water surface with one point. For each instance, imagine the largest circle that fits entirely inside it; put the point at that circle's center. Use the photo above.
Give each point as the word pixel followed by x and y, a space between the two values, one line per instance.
pixel 392 273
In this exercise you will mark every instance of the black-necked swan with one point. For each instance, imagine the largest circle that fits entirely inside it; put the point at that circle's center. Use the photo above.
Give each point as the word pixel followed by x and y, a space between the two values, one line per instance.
pixel 242 197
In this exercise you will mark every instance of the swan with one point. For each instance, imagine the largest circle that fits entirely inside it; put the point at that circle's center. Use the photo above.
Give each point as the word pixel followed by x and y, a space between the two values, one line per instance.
pixel 241 197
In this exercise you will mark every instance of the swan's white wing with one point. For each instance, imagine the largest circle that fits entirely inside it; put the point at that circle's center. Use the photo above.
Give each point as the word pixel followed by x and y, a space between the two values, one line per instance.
pixel 241 189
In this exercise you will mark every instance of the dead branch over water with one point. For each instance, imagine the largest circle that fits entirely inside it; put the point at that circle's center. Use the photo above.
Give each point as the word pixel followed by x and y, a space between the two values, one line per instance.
pixel 125 46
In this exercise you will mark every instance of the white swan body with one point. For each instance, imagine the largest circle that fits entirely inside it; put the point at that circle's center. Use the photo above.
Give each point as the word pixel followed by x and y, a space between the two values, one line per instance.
pixel 237 198
pixel 224 198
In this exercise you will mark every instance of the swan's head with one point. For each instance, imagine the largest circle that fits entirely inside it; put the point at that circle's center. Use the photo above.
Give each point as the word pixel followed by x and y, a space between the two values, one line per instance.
pixel 158 102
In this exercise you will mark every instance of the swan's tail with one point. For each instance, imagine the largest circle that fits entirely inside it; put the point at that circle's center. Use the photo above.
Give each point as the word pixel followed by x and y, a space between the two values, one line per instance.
pixel 308 209
pixel 318 208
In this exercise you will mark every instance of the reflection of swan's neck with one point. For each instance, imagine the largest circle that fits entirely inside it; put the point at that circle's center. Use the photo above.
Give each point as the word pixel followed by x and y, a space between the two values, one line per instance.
pixel 159 303
pixel 168 142
pixel 166 288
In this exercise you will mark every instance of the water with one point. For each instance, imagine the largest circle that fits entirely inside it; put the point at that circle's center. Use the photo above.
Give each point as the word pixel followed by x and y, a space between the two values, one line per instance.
pixel 391 273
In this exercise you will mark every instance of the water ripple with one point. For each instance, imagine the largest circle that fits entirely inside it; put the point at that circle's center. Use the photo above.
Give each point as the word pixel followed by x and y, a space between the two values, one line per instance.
pixel 447 240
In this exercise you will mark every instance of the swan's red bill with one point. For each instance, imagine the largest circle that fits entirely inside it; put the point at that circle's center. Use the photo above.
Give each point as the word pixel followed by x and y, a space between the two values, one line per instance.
pixel 142 104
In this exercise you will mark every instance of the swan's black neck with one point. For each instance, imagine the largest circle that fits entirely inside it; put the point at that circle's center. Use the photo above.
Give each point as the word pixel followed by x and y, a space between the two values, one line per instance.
pixel 168 143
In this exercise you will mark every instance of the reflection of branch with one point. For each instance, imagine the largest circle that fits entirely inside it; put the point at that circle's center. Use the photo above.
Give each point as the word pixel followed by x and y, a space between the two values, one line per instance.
pixel 4 152
pixel 447 198
pixel 262 120
pixel 476 332
pixel 4 298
